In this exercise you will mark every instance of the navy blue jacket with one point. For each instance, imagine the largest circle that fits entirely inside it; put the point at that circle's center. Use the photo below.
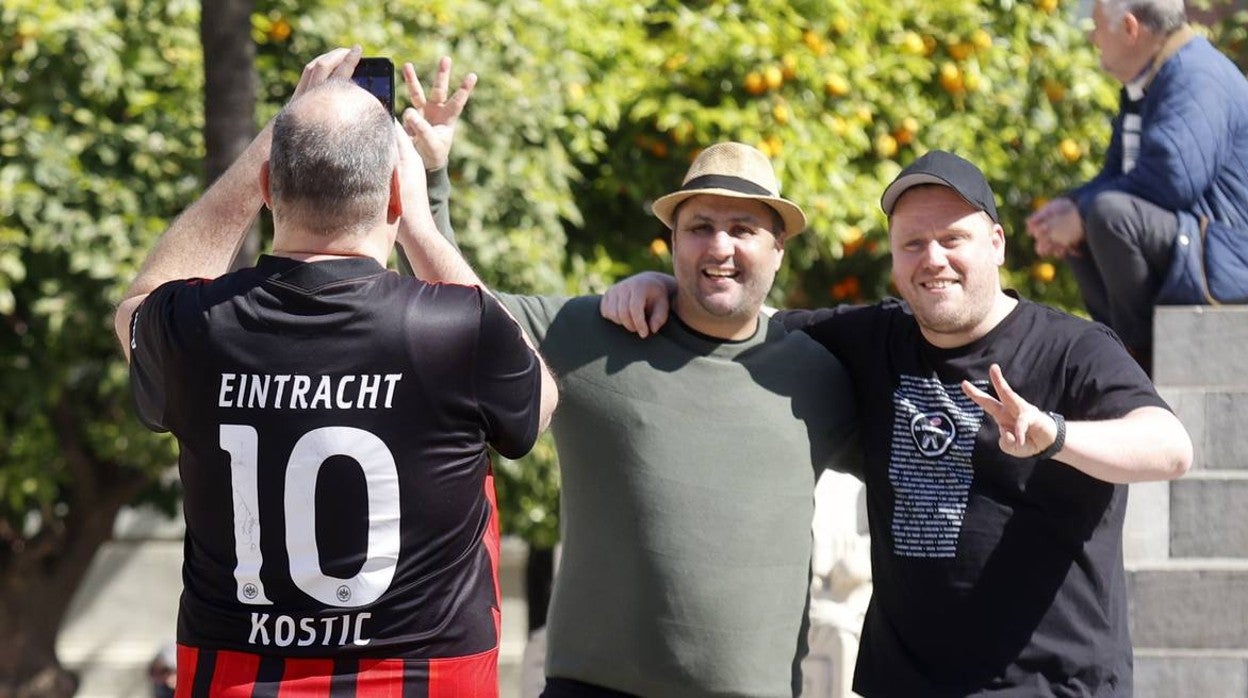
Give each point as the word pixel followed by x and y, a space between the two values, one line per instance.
pixel 1193 143
pixel 1193 160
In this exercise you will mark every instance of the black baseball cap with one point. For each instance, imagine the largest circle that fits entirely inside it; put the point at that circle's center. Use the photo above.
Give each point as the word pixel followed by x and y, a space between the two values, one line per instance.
pixel 946 169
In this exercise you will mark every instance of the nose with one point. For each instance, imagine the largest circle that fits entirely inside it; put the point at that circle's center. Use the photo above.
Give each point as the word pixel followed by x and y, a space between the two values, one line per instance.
pixel 720 244
pixel 934 255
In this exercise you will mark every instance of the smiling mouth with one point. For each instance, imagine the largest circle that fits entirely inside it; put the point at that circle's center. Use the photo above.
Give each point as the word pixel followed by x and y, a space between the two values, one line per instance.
pixel 939 284
pixel 721 273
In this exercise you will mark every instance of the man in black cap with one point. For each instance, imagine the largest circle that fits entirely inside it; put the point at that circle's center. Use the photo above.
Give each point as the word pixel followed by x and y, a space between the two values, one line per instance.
pixel 998 435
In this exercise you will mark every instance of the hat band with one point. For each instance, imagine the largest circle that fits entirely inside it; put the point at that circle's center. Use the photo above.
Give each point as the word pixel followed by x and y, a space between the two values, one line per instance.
pixel 715 181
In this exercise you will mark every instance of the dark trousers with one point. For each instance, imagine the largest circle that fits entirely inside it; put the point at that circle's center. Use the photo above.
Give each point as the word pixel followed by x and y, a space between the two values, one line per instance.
pixel 1128 247
pixel 571 688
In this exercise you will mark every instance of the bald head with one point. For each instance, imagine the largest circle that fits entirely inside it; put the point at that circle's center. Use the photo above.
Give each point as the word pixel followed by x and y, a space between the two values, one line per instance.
pixel 332 157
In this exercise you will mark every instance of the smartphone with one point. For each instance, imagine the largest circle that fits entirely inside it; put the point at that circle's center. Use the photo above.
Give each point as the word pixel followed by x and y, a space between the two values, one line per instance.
pixel 377 76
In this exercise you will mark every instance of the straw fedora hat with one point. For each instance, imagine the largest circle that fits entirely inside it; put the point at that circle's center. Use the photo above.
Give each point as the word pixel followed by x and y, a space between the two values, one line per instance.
pixel 736 170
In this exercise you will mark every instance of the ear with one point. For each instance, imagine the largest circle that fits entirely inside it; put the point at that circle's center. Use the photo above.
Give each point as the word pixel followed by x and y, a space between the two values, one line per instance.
pixel 1131 26
pixel 394 208
pixel 265 192
pixel 998 244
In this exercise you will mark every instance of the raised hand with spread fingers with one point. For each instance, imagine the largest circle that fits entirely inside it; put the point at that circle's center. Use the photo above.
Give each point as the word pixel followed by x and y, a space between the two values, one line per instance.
pixel 431 120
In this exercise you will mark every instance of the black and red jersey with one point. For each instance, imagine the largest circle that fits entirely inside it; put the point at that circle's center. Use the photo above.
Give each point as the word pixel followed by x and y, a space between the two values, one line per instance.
pixel 334 420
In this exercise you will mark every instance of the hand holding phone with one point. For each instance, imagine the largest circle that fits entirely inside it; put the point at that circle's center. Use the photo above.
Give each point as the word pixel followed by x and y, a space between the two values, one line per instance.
pixel 376 75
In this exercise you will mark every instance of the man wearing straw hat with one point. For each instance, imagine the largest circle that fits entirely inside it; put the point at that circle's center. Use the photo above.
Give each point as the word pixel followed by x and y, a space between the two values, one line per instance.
pixel 688 460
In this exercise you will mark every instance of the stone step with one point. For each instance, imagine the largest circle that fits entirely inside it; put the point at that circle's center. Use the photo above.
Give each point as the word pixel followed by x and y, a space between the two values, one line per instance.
pixel 1214 418
pixel 1195 603
pixel 1200 346
pixel 1197 516
pixel 1146 531
pixel 1167 673
pixel 1206 515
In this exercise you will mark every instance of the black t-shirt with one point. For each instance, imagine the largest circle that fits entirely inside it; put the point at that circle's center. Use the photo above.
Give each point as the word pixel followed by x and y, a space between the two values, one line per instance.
pixel 333 419
pixel 992 574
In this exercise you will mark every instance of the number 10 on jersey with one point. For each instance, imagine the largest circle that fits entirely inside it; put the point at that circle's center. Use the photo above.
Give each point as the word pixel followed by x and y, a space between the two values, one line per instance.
pixel 310 452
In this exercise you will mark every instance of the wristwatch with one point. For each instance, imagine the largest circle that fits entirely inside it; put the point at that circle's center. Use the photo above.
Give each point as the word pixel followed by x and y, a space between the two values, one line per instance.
pixel 1059 441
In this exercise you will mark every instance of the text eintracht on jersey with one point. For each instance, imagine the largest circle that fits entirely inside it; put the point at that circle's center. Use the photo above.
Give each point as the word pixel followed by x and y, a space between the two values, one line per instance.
pixel 304 392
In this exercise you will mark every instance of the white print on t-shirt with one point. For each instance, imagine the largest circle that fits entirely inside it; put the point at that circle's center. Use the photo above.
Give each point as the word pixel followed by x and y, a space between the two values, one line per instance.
pixel 360 392
pixel 934 428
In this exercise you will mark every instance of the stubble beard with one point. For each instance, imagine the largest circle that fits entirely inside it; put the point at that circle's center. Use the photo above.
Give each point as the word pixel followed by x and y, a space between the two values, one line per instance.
pixel 951 318
pixel 744 302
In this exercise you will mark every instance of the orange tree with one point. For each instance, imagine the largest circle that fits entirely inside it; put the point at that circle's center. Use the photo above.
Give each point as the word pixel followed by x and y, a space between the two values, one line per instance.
pixel 842 95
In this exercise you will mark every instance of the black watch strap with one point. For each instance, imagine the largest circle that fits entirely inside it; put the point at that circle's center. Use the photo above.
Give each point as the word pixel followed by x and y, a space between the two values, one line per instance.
pixel 1058 442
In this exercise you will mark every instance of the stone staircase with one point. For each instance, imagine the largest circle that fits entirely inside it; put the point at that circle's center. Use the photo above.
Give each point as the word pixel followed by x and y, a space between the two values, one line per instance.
pixel 1186 544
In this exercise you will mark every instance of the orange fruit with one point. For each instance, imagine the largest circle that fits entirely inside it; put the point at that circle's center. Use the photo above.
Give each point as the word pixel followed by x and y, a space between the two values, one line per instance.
pixel 280 30
pixel 1044 272
pixel 981 39
pixel 814 42
pixel 780 113
pixel 951 78
pixel 754 83
pixel 680 132
pixel 836 86
pixel 788 66
pixel 852 239
pixel 961 50
pixel 773 77
pixel 905 131
pixel 1054 90
pixel 1070 150
pixel 885 145
pixel 847 288
pixel 836 125
pixel 771 146
pixel 912 43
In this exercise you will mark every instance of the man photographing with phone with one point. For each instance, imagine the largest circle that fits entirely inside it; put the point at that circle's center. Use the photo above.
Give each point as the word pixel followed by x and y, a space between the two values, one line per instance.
pixel 333 417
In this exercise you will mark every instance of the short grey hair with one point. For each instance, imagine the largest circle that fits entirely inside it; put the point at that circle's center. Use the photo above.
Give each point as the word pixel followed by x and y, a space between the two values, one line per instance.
pixel 331 168
pixel 1158 16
